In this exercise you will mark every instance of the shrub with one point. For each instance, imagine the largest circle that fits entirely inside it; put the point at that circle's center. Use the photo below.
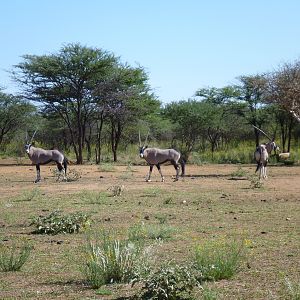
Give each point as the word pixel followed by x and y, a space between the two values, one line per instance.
pixel 218 260
pixel 12 258
pixel 170 281
pixel 112 261
pixel 56 223
pixel 116 190
pixel 72 175
pixel 255 182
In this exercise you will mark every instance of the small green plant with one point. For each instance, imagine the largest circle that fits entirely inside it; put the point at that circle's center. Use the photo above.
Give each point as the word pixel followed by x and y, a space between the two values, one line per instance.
pixel 219 259
pixel 208 293
pixel 161 218
pixel 168 200
pixel 56 223
pixel 142 231
pixel 171 282
pixel 13 258
pixel 291 289
pixel 110 260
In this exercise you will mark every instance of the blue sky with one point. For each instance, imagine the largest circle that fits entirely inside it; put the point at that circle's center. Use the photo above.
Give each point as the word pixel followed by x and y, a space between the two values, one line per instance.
pixel 183 45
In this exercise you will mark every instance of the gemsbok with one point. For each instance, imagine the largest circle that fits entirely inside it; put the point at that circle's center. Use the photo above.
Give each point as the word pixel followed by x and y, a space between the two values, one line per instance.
pixel 156 157
pixel 262 153
pixel 39 156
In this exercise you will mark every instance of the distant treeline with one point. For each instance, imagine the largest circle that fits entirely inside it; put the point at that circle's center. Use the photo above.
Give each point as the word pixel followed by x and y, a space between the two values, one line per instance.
pixel 83 99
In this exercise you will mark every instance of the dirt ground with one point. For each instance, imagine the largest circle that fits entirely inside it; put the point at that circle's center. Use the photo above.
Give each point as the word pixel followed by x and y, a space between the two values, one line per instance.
pixel 210 202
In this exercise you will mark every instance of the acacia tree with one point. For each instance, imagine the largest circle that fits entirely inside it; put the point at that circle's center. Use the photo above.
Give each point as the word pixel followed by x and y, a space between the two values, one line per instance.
pixel 122 99
pixel 252 93
pixel 64 83
pixel 14 114
pixel 191 119
pixel 287 123
pixel 224 120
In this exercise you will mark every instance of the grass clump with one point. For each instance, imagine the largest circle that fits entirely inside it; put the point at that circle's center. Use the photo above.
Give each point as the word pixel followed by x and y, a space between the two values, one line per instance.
pixel 142 231
pixel 107 167
pixel 291 289
pixel 90 197
pixel 171 282
pixel 56 223
pixel 239 173
pixel 13 258
pixel 219 259
pixel 29 195
pixel 152 192
pixel 109 260
pixel 103 292
pixel 208 293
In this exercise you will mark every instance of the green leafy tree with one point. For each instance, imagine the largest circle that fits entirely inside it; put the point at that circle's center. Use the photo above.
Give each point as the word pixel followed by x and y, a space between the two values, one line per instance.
pixel 14 114
pixel 191 119
pixel 223 110
pixel 122 99
pixel 252 93
pixel 64 83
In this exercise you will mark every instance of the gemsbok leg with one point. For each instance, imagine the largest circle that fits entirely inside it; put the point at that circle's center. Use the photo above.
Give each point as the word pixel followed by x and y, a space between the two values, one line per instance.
pixel 159 170
pixel 176 166
pixel 149 174
pixel 38 173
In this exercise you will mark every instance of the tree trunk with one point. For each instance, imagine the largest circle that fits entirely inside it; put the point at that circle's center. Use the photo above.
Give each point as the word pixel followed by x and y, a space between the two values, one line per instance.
pixel 116 130
pixel 291 125
pixel 88 139
pixel 79 138
pixel 98 147
pixel 256 133
pixel 283 134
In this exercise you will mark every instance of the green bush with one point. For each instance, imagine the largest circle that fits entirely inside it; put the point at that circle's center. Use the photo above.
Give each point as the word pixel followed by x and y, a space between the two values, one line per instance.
pixel 112 261
pixel 56 223
pixel 219 259
pixel 13 258
pixel 170 282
